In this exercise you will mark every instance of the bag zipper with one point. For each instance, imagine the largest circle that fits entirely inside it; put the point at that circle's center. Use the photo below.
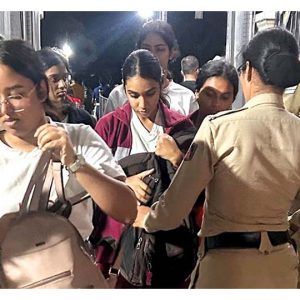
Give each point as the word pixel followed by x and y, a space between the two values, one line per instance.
pixel 137 247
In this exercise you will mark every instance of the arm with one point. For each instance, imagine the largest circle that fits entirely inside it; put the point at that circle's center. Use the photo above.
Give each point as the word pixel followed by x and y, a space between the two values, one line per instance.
pixel 191 178
pixel 112 195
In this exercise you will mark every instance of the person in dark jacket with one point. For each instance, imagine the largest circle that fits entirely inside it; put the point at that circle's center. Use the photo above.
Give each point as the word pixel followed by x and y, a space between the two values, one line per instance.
pixel 216 88
pixel 59 107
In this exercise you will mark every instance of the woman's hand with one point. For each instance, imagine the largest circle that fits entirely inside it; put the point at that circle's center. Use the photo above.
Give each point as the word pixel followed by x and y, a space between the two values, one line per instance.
pixel 113 196
pixel 167 148
pixel 141 215
pixel 51 137
pixel 141 189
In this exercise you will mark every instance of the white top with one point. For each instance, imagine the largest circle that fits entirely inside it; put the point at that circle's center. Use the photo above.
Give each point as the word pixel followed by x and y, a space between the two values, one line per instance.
pixel 18 167
pixel 180 98
pixel 142 139
pixel 116 98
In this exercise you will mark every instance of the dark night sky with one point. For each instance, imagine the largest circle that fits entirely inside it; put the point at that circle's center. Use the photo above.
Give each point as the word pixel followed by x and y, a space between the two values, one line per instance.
pixel 102 40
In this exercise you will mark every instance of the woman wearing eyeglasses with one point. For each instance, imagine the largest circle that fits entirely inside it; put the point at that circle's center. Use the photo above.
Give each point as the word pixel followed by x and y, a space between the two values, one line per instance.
pixel 59 107
pixel 249 162
pixel 26 132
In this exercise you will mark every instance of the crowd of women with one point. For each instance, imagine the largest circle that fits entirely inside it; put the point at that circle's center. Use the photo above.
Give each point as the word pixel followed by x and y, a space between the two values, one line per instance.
pixel 239 171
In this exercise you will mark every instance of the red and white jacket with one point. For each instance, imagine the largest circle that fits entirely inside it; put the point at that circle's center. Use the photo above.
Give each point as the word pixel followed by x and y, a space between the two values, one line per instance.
pixel 114 128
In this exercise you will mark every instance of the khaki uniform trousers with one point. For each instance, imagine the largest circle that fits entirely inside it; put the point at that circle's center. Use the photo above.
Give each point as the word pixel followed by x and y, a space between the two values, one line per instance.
pixel 296 238
pixel 266 267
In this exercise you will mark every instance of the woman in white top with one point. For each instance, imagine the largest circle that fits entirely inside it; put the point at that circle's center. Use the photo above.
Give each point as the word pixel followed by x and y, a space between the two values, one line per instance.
pixel 26 132
pixel 159 38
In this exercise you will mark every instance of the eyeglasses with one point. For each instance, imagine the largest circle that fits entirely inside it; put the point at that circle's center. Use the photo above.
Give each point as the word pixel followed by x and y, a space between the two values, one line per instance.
pixel 242 68
pixel 58 77
pixel 15 100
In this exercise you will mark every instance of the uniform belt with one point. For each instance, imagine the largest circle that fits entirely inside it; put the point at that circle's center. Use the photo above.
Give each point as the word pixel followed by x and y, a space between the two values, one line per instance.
pixel 244 239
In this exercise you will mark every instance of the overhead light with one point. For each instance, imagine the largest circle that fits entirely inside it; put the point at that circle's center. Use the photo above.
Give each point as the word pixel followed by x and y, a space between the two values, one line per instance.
pixel 145 14
pixel 67 50
pixel 198 14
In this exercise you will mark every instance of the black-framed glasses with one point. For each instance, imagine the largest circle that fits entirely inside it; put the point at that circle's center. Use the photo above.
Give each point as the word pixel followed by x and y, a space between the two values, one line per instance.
pixel 241 68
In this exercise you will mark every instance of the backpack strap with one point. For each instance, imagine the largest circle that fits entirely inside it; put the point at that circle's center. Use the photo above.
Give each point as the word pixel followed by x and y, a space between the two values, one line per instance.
pixel 44 198
pixel 38 190
pixel 114 268
pixel 35 188
pixel 63 206
pixel 58 181
pixel 79 198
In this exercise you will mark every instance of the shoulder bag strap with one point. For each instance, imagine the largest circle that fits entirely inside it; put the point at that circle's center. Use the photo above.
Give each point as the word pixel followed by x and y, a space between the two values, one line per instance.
pixel 59 186
pixel 63 206
pixel 35 187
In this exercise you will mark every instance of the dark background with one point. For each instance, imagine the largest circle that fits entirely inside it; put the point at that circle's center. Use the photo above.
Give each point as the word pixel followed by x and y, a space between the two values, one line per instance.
pixel 102 40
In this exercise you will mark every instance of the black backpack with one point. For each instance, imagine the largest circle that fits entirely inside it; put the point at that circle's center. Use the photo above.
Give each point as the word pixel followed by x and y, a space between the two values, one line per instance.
pixel 163 259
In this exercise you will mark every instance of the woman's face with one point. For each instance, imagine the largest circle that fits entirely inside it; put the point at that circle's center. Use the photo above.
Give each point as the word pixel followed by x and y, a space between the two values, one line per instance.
pixel 58 80
pixel 215 95
pixel 21 109
pixel 156 44
pixel 143 96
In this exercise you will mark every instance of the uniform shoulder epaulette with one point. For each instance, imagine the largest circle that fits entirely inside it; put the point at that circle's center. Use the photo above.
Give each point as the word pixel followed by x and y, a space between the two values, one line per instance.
pixel 225 113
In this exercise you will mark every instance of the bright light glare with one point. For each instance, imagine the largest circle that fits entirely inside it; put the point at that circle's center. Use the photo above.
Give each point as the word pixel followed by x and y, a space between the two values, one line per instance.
pixel 67 50
pixel 145 14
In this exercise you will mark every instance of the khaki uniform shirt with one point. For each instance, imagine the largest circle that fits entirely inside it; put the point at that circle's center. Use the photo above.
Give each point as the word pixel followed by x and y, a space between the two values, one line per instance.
pixel 292 101
pixel 249 160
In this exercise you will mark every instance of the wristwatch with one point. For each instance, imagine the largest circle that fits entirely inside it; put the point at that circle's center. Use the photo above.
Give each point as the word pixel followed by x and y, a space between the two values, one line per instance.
pixel 74 167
